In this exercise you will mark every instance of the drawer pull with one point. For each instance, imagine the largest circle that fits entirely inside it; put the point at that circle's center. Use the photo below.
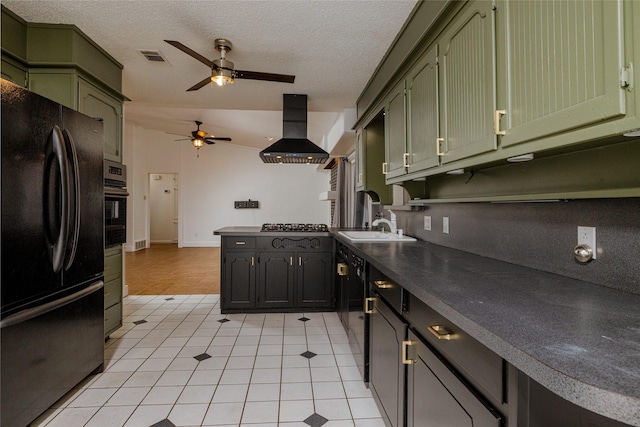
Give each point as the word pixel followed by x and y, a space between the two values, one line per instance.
pixel 253 261
pixel 343 269
pixel 240 242
pixel 382 284
pixel 405 360
pixel 440 332
pixel 107 293
pixel 368 308
pixel 106 320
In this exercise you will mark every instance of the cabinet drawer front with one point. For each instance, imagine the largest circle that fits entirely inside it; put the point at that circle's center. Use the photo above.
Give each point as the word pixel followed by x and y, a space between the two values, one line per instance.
pixel 480 365
pixel 296 242
pixel 390 291
pixel 239 242
pixel 112 318
pixel 112 267
pixel 112 292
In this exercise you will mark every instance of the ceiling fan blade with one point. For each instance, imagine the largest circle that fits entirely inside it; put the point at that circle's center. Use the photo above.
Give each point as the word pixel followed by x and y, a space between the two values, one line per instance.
pixel 216 138
pixel 192 53
pixel 255 75
pixel 199 85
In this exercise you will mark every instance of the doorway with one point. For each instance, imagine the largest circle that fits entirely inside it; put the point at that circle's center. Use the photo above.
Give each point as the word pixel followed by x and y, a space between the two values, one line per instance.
pixel 163 208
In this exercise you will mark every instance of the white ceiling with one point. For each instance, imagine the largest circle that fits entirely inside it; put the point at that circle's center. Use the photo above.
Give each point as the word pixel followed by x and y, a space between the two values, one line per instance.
pixel 331 46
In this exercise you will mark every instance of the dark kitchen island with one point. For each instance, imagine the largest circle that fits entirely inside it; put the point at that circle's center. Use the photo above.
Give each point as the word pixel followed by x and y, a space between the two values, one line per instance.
pixel 280 269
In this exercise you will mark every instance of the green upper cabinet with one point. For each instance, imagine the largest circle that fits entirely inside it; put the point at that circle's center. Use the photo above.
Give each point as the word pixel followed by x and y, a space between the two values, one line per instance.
pixel 370 152
pixel 559 65
pixel 360 160
pixel 423 127
pixel 68 67
pixel 99 105
pixel 467 83
pixel 395 133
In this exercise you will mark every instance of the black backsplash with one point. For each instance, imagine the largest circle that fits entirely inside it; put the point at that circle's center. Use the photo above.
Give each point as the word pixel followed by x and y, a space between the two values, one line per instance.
pixel 542 235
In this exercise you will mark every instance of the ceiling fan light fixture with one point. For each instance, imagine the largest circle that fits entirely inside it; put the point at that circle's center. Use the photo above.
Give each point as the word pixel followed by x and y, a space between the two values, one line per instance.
pixel 224 74
pixel 198 142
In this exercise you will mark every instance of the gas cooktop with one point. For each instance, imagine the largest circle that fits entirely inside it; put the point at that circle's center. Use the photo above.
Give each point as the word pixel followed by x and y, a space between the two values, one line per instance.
pixel 295 227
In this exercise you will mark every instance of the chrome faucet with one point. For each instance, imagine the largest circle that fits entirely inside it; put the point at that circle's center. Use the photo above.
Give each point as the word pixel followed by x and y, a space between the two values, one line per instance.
pixel 393 225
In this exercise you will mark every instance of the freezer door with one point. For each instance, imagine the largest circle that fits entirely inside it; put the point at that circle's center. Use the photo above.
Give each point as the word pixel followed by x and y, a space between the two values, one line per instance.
pixel 84 259
pixel 27 270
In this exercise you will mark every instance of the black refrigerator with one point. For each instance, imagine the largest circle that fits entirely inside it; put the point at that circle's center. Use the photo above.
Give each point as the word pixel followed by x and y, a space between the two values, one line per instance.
pixel 52 302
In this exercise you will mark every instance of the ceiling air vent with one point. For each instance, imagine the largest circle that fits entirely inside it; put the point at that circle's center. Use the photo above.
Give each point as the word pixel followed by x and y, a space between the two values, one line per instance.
pixel 153 55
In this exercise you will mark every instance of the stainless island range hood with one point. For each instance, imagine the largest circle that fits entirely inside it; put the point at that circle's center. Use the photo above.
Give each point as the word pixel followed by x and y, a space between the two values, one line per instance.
pixel 294 147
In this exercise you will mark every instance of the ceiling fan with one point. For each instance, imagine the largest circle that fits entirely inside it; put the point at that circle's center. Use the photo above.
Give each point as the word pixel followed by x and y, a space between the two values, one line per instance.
pixel 199 137
pixel 222 70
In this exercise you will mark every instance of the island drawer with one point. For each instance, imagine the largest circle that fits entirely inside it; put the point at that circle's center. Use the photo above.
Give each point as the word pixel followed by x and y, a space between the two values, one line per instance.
pixel 484 368
pixel 239 242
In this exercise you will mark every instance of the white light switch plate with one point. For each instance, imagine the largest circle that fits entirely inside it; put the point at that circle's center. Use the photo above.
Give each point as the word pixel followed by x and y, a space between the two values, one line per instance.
pixel 587 236
pixel 427 223
pixel 445 225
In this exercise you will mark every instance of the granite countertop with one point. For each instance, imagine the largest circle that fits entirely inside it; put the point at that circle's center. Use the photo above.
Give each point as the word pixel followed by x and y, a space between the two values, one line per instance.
pixel 580 340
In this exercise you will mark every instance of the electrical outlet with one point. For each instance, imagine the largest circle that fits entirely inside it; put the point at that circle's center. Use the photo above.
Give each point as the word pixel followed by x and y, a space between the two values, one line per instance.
pixel 427 223
pixel 587 236
pixel 445 225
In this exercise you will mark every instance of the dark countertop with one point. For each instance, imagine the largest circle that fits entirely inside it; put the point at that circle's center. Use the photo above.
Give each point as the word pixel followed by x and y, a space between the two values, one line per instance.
pixel 249 230
pixel 579 340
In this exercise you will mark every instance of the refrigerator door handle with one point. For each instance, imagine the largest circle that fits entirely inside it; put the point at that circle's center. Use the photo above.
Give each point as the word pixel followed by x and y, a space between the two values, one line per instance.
pixel 74 199
pixel 30 313
pixel 56 151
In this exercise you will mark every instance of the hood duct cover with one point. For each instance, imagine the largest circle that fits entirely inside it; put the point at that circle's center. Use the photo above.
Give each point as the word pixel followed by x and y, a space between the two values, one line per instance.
pixel 294 147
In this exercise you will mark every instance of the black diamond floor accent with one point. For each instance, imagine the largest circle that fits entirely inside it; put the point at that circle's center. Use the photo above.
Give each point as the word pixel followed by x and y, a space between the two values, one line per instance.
pixel 165 423
pixel 223 320
pixel 169 299
pixel 308 354
pixel 201 357
pixel 140 322
pixel 316 420
pixel 303 319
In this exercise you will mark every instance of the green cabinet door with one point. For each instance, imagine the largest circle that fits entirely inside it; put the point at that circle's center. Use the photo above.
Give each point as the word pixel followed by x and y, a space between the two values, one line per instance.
pixel 96 103
pixel 560 66
pixel 467 83
pixel 395 133
pixel 360 160
pixel 422 112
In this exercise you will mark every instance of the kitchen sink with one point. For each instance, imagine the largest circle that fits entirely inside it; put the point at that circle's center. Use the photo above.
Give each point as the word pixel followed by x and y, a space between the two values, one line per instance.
pixel 374 236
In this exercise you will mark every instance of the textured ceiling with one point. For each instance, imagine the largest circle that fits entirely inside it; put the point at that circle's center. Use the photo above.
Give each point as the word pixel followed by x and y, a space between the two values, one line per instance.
pixel 332 47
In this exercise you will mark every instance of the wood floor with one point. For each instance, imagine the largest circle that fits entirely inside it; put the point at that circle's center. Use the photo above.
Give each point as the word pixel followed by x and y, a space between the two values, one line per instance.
pixel 165 269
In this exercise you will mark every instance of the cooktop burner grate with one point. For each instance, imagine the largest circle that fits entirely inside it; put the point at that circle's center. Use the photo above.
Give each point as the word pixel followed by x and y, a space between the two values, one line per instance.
pixel 296 227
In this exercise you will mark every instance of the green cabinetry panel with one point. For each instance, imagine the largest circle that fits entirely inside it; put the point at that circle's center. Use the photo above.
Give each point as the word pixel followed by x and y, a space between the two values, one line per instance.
pixel 561 66
pixel 467 82
pixel 423 127
pixel 113 280
pixel 96 103
pixel 395 132
pixel 370 156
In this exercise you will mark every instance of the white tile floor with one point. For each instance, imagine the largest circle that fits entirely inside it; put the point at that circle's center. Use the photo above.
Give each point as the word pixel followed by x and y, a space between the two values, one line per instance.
pixel 254 375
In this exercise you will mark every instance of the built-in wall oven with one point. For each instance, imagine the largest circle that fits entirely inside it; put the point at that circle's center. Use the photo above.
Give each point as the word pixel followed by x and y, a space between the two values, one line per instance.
pixel 115 203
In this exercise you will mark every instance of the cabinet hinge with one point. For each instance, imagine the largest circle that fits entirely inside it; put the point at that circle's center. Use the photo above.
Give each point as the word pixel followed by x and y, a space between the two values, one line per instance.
pixel 626 77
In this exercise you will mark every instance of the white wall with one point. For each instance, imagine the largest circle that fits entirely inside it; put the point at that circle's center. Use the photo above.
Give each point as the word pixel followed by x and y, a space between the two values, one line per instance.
pixel 224 173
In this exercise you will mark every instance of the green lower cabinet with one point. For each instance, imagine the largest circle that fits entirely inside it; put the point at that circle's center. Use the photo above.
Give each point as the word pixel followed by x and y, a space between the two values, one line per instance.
pixel 276 280
pixel 113 280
